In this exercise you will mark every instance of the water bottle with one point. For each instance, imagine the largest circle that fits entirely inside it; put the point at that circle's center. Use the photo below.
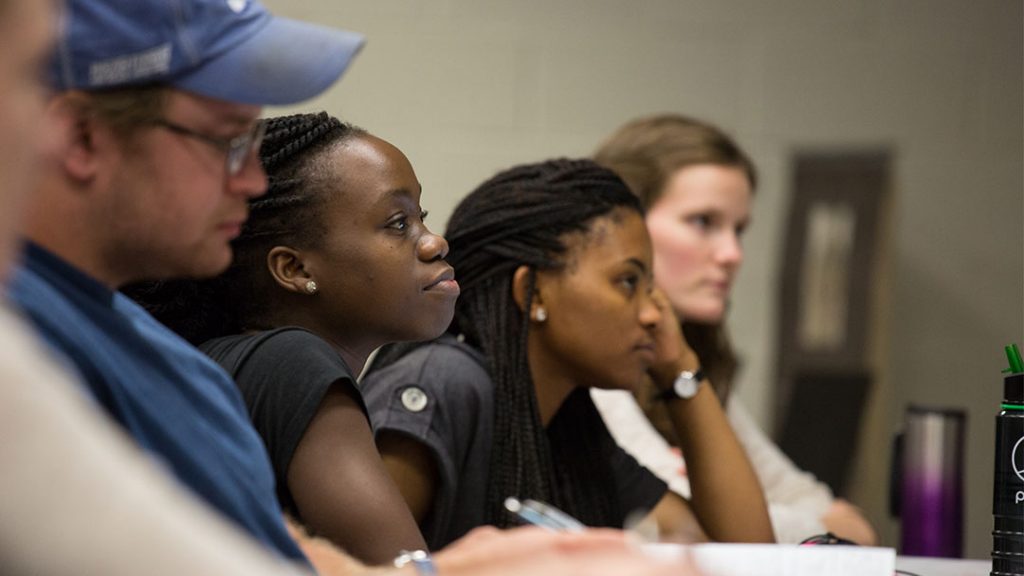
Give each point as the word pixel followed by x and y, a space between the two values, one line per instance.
pixel 1008 488
pixel 932 491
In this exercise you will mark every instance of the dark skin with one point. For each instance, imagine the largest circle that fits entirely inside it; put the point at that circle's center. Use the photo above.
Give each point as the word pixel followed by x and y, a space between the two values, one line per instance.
pixel 605 325
pixel 381 277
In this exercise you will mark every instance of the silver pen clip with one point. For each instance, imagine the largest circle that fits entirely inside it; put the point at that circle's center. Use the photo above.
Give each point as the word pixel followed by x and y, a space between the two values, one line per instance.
pixel 544 515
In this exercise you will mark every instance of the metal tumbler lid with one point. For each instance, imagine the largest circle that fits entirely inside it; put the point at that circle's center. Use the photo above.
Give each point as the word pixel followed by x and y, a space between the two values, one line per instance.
pixel 915 410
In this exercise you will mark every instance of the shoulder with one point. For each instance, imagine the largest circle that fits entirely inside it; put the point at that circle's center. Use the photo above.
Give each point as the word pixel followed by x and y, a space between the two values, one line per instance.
pixel 57 318
pixel 61 311
pixel 279 350
pixel 297 343
pixel 161 339
pixel 445 366
pixel 288 337
pixel 442 386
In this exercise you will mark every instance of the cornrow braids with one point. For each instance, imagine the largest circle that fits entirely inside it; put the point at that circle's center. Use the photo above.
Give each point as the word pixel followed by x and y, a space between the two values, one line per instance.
pixel 293 153
pixel 291 211
pixel 522 217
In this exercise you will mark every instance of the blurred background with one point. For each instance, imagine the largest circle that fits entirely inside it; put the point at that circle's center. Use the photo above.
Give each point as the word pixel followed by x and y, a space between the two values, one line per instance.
pixel 885 264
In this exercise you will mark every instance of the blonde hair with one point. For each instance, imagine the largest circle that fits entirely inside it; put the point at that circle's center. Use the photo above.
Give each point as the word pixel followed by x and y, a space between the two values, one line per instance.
pixel 647 151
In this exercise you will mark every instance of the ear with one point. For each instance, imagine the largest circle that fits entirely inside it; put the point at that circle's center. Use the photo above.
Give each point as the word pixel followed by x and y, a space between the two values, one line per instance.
pixel 287 268
pixel 75 145
pixel 520 290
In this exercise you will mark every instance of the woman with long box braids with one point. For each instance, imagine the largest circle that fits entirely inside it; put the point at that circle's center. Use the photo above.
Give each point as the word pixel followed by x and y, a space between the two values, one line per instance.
pixel 555 267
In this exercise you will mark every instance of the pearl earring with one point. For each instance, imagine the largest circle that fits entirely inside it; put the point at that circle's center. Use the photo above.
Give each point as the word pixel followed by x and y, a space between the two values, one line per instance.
pixel 541 314
pixel 311 287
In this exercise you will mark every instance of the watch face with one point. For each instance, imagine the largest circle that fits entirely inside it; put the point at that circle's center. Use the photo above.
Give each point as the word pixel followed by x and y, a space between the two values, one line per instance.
pixel 686 385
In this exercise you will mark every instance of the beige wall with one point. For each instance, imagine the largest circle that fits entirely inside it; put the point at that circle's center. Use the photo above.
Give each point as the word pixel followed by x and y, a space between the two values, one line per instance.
pixel 467 87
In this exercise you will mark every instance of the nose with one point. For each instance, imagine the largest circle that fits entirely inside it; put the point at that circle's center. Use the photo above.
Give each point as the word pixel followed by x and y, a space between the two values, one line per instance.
pixel 651 309
pixel 251 180
pixel 730 250
pixel 432 247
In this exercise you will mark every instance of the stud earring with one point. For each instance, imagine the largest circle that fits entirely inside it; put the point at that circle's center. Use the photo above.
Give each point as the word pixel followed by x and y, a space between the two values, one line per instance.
pixel 311 287
pixel 541 314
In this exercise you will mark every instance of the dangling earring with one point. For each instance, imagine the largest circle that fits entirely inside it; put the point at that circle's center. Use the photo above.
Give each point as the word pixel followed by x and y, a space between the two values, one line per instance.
pixel 311 287
pixel 541 314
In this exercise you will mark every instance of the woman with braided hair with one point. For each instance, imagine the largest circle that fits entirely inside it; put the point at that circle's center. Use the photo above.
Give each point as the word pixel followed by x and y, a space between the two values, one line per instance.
pixel 555 268
pixel 333 262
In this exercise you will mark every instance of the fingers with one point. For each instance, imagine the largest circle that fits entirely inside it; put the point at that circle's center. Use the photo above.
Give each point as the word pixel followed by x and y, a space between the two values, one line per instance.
pixel 660 299
pixel 847 521
pixel 490 544
pixel 672 352
pixel 540 553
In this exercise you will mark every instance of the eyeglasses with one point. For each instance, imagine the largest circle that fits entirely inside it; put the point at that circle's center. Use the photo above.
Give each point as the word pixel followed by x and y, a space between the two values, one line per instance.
pixel 238 149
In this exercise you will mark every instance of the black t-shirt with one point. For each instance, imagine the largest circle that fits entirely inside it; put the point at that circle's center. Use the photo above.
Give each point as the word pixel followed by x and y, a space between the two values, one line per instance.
pixel 441 395
pixel 284 375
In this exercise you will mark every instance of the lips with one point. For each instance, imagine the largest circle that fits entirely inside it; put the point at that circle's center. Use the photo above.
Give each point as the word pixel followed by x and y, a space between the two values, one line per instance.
pixel 232 224
pixel 646 349
pixel 444 282
pixel 232 229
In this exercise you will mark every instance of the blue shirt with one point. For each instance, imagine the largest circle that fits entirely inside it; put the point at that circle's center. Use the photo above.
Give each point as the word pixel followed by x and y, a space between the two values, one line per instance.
pixel 178 404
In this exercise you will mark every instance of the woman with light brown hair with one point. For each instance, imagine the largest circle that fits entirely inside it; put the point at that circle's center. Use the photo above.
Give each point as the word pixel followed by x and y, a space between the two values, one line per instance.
pixel 697 185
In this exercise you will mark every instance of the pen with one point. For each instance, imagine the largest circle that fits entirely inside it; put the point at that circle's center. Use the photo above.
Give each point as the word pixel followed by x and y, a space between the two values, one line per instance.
pixel 544 515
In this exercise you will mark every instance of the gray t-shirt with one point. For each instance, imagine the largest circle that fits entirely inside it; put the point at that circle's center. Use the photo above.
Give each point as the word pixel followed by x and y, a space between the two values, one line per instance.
pixel 442 395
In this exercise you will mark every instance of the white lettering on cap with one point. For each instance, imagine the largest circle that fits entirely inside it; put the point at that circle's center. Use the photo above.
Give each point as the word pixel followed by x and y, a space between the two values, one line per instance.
pixel 123 69
pixel 237 5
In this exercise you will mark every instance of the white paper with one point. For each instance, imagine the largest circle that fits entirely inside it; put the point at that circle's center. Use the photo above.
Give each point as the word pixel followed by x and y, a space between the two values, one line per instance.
pixel 783 559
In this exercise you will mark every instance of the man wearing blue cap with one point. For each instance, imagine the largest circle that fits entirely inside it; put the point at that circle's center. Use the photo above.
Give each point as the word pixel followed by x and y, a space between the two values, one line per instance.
pixel 156 112
pixel 76 497
pixel 156 133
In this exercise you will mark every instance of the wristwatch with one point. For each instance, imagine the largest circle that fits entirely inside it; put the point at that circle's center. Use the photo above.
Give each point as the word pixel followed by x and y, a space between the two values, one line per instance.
pixel 420 559
pixel 685 386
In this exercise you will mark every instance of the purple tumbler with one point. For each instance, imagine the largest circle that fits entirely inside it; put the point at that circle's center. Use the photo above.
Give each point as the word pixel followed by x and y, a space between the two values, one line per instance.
pixel 932 492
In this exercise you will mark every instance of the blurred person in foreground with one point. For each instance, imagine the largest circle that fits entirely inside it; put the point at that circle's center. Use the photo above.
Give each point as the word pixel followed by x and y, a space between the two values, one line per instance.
pixel 76 496
pixel 154 136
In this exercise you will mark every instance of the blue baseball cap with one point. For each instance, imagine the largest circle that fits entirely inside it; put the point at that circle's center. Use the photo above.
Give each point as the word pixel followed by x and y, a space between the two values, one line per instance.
pixel 232 50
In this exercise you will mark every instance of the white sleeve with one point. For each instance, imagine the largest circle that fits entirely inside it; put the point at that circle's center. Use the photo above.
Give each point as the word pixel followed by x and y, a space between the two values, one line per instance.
pixel 796 499
pixel 632 431
pixel 78 498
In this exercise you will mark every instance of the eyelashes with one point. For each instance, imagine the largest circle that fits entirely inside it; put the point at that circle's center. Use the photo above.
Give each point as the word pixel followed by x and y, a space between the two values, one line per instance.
pixel 706 222
pixel 400 222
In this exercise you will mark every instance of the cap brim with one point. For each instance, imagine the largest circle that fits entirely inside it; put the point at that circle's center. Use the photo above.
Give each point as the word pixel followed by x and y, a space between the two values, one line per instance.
pixel 286 62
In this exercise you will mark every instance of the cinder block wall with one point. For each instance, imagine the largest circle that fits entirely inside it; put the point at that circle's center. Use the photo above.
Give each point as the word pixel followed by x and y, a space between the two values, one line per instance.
pixel 467 87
